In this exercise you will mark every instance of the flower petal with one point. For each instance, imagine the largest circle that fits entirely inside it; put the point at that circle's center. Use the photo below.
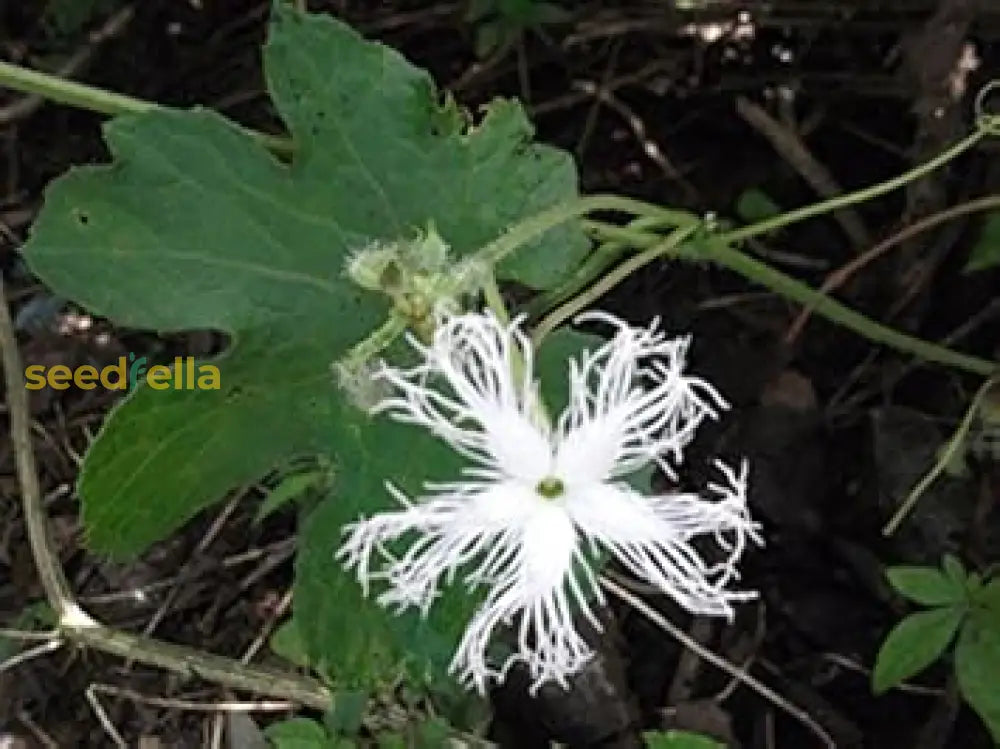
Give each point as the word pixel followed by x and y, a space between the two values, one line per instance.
pixel 520 545
pixel 614 425
pixel 456 523
pixel 483 411
pixel 535 591
pixel 653 538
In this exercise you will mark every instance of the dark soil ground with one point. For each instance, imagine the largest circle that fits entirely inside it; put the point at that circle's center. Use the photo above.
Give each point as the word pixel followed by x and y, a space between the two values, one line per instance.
pixel 690 109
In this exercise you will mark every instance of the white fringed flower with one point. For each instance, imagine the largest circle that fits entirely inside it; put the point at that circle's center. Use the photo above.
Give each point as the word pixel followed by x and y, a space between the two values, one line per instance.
pixel 534 499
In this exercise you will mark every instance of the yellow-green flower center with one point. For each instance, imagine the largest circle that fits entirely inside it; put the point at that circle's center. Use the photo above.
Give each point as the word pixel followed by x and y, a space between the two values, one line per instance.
pixel 550 487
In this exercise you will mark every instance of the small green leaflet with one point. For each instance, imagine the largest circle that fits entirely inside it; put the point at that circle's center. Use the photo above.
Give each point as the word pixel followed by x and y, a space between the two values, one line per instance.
pixel 964 604
pixel 756 205
pixel 926 585
pixel 977 668
pixel 913 644
pixel 921 638
pixel 985 253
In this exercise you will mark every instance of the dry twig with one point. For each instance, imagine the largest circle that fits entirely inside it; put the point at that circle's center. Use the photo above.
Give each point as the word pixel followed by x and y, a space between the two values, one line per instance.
pixel 719 662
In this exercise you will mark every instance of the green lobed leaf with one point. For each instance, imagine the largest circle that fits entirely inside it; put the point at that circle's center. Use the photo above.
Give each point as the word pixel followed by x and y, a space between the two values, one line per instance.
pixel 679 740
pixel 363 116
pixel 977 668
pixel 985 253
pixel 925 585
pixel 195 225
pixel 914 644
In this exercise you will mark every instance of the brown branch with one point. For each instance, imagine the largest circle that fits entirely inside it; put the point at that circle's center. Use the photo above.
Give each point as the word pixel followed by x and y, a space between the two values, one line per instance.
pixel 717 660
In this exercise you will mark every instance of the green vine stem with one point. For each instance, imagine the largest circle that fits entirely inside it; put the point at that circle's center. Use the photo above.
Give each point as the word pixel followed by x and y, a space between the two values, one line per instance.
pixel 791 288
pixel 102 101
pixel 494 299
pixel 74 94
pixel 987 125
pixel 76 625
pixel 595 264
pixel 839 277
pixel 716 250
pixel 605 283
pixel 524 231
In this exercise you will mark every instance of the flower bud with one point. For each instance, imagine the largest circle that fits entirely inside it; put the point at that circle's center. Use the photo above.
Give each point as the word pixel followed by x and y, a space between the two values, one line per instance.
pixel 428 253
pixel 376 268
